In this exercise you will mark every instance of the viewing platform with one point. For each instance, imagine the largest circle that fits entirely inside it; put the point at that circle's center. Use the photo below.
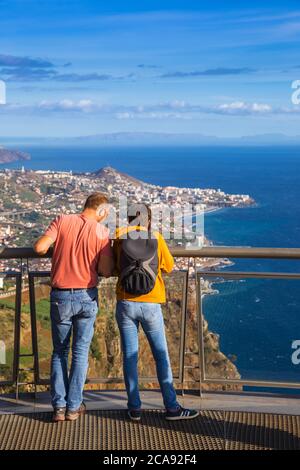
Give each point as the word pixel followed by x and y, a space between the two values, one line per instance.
pixel 237 411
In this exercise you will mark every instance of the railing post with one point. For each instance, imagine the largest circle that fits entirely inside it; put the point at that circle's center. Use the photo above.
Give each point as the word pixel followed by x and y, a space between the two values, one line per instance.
pixel 34 339
pixel 17 332
pixel 182 354
pixel 201 352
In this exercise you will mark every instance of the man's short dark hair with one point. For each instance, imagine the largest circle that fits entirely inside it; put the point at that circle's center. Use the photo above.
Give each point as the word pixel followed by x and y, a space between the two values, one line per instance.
pixel 95 200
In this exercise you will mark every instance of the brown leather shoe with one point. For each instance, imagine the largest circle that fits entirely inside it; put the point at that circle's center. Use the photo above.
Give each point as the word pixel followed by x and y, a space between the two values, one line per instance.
pixel 73 415
pixel 59 415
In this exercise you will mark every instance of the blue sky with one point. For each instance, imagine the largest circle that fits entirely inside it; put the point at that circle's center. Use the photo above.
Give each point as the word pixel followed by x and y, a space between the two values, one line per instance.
pixel 221 68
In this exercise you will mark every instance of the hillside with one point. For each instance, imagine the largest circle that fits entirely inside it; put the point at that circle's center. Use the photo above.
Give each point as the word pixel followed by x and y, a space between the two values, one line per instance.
pixel 8 156
pixel 111 176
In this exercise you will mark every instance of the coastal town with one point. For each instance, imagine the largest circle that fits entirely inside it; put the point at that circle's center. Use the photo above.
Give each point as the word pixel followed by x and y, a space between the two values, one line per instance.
pixel 31 199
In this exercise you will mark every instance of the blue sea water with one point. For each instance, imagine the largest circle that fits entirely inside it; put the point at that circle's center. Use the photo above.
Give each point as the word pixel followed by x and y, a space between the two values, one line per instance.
pixel 257 320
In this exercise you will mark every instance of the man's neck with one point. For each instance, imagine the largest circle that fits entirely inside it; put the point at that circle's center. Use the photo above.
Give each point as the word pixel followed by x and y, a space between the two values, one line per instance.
pixel 89 214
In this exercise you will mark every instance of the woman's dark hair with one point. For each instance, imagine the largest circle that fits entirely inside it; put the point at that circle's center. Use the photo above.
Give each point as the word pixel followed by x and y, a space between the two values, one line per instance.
pixel 141 214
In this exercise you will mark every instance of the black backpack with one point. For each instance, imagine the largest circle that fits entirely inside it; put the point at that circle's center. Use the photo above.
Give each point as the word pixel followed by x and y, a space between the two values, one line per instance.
pixel 138 263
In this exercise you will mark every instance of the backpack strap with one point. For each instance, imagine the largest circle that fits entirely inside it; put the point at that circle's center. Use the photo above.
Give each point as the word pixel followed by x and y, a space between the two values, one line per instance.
pixel 126 271
pixel 146 266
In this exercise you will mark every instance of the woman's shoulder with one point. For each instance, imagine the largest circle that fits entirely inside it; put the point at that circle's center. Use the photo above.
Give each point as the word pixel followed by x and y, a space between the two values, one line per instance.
pixel 159 237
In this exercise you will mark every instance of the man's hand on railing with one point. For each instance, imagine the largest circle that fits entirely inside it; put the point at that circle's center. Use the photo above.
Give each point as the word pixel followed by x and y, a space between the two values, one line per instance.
pixel 42 245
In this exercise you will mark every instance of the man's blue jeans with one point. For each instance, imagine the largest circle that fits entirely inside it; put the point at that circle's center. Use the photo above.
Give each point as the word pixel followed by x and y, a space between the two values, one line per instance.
pixel 72 312
pixel 129 316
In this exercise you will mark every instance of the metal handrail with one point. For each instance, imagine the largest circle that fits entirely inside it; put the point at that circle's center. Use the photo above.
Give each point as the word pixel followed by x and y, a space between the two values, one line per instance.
pixel 205 252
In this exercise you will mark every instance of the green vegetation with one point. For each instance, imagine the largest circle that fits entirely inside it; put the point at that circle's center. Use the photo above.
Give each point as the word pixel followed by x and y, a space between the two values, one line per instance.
pixel 5 370
pixel 42 310
pixel 51 189
pixel 95 349
pixel 27 195
pixel 9 304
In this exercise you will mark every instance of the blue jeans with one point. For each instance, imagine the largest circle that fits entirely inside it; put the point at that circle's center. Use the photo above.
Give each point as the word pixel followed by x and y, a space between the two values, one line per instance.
pixel 129 316
pixel 72 312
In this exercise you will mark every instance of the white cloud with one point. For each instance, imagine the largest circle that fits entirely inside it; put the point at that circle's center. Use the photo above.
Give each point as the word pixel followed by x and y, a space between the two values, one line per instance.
pixel 241 107
pixel 152 115
pixel 85 106
pixel 124 115
pixel 177 109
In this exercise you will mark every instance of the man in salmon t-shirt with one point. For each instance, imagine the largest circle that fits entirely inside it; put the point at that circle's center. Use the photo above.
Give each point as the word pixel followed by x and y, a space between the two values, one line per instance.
pixel 82 251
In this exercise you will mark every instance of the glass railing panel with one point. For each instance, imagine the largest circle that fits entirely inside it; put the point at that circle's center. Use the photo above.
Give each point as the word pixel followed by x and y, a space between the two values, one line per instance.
pixel 7 326
pixel 173 311
pixel 251 328
pixel 43 324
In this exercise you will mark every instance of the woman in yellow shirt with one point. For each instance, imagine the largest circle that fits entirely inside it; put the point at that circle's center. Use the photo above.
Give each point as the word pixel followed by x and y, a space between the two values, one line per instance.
pixel 141 256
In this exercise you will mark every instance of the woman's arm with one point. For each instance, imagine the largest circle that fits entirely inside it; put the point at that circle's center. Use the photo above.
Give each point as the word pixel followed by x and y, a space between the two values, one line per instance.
pixel 167 260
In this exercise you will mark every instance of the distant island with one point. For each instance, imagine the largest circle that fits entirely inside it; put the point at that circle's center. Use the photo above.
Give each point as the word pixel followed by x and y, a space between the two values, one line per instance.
pixel 7 156
pixel 156 139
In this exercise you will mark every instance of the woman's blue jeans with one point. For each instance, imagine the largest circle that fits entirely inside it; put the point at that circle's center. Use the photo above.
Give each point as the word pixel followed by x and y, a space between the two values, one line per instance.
pixel 129 316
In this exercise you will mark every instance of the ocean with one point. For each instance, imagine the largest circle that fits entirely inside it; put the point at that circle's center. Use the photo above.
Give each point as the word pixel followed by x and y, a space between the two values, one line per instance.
pixel 257 320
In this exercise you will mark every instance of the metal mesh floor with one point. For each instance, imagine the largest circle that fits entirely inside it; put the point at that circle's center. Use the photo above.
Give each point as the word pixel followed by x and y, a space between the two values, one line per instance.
pixel 112 430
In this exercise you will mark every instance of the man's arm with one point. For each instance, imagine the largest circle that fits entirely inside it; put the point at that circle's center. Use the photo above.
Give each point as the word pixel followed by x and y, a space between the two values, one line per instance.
pixel 43 244
pixel 106 265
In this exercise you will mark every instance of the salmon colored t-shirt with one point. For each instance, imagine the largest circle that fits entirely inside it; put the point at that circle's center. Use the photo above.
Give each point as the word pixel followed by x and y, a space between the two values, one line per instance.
pixel 79 243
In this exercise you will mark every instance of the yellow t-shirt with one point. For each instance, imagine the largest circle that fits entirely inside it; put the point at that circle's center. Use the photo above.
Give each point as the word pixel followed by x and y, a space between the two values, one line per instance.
pixel 165 263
